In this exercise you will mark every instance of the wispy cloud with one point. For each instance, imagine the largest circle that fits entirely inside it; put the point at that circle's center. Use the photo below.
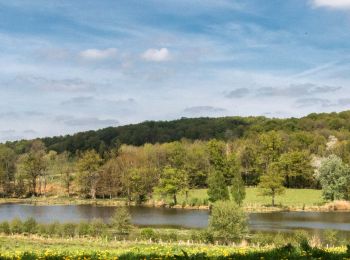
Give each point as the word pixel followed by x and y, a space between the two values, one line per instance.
pixel 337 4
pixel 96 54
pixel 156 55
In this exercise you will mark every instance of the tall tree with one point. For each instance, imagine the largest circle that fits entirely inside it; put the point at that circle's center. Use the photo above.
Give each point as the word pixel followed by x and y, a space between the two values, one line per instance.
pixel 271 183
pixel 88 173
pixel 7 169
pixel 171 182
pixel 33 165
pixel 217 187
pixel 297 169
pixel 334 177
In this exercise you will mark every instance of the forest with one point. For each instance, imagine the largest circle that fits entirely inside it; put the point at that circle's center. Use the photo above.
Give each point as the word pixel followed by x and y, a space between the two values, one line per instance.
pixel 165 159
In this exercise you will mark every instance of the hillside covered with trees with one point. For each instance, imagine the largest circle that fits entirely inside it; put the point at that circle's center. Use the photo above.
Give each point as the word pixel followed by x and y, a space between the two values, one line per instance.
pixel 166 159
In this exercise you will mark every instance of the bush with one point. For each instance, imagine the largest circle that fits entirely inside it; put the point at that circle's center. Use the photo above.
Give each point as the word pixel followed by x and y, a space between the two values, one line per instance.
pixel 206 236
pixel 97 227
pixel 42 229
pixel 16 226
pixel 227 222
pixel 121 221
pixel 5 227
pixel 330 237
pixel 83 229
pixel 30 226
pixel 149 233
pixel 53 229
pixel 68 229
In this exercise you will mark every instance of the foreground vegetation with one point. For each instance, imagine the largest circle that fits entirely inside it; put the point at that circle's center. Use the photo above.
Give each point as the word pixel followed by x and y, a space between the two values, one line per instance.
pixel 20 247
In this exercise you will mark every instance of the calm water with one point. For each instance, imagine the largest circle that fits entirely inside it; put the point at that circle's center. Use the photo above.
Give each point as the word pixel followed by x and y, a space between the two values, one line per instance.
pixel 314 222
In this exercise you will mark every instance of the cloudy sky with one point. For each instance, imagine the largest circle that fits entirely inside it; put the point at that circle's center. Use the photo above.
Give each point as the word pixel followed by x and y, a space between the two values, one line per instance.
pixel 68 66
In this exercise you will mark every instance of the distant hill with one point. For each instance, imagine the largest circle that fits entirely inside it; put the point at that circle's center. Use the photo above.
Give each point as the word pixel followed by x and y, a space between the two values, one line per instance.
pixel 195 129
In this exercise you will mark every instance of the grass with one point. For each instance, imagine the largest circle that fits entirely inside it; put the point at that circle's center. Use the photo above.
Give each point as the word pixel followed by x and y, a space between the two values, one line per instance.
pixel 292 199
pixel 297 198
pixel 21 247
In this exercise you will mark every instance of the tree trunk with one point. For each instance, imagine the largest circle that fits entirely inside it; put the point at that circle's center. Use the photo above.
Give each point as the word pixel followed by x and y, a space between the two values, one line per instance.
pixel 273 199
pixel 175 199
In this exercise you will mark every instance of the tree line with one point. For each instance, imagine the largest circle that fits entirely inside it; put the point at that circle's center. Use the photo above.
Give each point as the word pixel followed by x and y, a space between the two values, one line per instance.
pixel 272 160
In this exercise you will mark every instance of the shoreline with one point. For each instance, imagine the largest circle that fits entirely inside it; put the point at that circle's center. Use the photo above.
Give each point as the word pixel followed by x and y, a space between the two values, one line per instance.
pixel 50 201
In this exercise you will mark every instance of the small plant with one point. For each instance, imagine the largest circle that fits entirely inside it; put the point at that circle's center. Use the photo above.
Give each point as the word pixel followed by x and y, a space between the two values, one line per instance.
pixel 83 229
pixel 30 226
pixel 330 237
pixel 5 228
pixel 148 233
pixel 16 226
pixel 121 221
pixel 68 229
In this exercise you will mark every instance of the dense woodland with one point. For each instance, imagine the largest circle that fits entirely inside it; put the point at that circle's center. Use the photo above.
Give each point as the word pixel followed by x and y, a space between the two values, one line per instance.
pixel 168 158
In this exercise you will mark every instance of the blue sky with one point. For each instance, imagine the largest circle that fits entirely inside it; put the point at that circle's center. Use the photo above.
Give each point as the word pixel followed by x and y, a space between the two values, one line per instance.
pixel 68 66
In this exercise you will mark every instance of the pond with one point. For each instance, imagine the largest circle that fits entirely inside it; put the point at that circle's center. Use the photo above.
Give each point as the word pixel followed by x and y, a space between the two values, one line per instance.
pixel 313 222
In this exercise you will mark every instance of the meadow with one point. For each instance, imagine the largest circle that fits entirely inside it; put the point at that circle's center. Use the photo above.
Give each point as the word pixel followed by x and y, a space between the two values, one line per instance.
pixel 21 247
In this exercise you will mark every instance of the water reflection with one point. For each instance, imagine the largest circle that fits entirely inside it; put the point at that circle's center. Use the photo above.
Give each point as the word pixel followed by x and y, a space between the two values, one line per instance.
pixel 314 222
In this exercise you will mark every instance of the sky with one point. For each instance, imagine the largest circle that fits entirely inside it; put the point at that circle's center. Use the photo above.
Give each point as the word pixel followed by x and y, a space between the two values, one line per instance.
pixel 69 66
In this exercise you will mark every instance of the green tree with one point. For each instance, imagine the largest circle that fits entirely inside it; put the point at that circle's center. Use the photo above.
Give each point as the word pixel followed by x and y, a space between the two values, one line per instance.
pixel 334 177
pixel 7 169
pixel 296 168
pixel 171 182
pixel 237 185
pixel 271 183
pixel 88 173
pixel 217 188
pixel 33 165
pixel 121 221
pixel 227 222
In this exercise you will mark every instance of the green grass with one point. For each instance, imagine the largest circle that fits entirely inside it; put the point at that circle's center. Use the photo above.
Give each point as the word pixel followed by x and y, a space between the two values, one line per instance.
pixel 21 247
pixel 291 198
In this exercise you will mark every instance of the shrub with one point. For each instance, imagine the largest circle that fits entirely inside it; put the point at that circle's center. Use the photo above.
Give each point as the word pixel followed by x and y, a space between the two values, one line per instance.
pixel 330 237
pixel 53 228
pixel 30 226
pixel 5 227
pixel 83 229
pixel 121 221
pixel 206 236
pixel 16 226
pixel 148 233
pixel 68 229
pixel 42 229
pixel 227 222
pixel 97 227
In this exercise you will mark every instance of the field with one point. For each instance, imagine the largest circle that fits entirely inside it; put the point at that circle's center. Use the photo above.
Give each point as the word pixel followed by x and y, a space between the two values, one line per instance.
pixel 293 198
pixel 21 247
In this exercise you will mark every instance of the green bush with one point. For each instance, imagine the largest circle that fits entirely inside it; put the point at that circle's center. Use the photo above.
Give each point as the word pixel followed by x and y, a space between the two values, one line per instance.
pixel 54 229
pixel 149 233
pixel 121 221
pixel 97 227
pixel 5 227
pixel 16 226
pixel 227 222
pixel 68 229
pixel 42 229
pixel 330 237
pixel 206 236
pixel 30 226
pixel 83 229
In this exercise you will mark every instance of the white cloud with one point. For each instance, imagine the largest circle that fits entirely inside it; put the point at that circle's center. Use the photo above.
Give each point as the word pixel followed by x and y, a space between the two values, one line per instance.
pixel 162 54
pixel 96 54
pixel 338 4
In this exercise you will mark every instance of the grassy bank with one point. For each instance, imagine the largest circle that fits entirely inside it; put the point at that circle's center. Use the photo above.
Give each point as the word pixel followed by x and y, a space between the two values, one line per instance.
pixel 292 199
pixel 21 247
